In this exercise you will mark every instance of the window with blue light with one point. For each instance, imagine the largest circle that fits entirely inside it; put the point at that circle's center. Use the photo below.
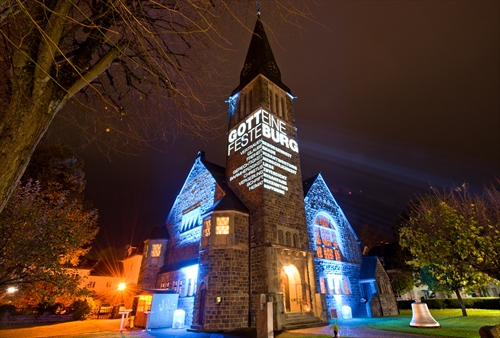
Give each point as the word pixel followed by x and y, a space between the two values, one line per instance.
pixel 190 220
pixel 338 285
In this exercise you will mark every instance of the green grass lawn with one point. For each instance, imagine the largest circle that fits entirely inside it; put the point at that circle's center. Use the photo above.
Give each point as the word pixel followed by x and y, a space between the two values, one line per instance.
pixel 453 324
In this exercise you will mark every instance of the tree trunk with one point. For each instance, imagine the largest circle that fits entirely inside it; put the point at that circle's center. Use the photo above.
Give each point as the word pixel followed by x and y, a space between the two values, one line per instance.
pixel 24 124
pixel 462 306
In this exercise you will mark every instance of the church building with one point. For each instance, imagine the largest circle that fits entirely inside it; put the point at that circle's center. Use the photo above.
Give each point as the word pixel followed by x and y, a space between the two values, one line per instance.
pixel 256 228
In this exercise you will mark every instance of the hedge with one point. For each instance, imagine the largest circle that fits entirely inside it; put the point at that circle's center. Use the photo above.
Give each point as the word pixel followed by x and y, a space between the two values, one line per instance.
pixel 486 303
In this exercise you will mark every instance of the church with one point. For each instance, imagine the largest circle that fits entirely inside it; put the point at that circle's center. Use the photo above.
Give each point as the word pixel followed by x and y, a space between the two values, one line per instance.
pixel 256 228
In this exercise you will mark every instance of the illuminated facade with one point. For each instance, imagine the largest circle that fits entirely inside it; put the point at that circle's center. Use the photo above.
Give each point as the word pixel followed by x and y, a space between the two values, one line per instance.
pixel 254 227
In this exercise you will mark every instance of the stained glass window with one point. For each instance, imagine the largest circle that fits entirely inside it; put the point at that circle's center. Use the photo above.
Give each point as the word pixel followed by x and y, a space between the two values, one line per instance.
pixel 319 251
pixel 328 253
pixel 326 238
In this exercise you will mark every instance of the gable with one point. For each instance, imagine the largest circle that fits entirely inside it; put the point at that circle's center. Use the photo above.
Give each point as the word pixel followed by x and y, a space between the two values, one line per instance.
pixel 197 195
pixel 322 208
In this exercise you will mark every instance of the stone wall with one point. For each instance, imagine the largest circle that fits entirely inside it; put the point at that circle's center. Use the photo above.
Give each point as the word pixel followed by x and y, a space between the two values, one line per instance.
pixel 350 270
pixel 384 303
pixel 8 319
pixel 187 304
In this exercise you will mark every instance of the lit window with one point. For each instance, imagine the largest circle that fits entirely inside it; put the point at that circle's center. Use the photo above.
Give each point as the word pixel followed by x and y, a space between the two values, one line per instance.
pixel 326 238
pixel 155 250
pixel 337 255
pixel 222 227
pixel 328 253
pixel 339 285
pixel 322 285
pixel 347 286
pixel 206 228
pixel 319 251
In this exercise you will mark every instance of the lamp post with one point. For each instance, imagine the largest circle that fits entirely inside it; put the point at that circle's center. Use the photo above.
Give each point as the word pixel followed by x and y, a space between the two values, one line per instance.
pixel 121 288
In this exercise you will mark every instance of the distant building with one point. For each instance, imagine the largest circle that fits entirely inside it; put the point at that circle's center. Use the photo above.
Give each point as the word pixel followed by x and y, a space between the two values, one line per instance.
pixel 102 278
pixel 255 228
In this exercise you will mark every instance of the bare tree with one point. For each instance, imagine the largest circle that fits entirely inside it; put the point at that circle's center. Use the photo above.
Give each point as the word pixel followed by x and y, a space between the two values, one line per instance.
pixel 138 68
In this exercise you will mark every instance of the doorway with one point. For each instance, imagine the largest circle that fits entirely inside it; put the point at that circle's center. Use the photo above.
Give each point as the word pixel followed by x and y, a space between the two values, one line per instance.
pixel 293 289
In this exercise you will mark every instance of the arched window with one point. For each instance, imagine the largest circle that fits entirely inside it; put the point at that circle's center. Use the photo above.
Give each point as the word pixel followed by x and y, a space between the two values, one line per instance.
pixel 280 237
pixel 295 244
pixel 325 234
pixel 287 239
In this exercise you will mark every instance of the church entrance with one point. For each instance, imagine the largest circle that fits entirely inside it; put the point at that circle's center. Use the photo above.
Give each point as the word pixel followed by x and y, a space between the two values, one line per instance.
pixel 293 289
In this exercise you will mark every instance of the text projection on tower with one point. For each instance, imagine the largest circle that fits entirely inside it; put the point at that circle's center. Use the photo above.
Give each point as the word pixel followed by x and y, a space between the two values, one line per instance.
pixel 263 139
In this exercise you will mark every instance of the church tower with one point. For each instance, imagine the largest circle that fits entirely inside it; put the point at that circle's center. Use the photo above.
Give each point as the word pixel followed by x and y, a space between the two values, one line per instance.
pixel 263 170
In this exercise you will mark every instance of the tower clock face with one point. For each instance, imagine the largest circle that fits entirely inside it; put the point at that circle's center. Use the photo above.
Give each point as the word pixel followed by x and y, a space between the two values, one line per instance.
pixel 265 147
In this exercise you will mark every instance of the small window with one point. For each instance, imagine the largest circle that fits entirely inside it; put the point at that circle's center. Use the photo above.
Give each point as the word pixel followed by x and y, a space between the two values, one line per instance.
pixel 206 228
pixel 155 250
pixel 280 237
pixel 347 286
pixel 271 101
pixel 295 244
pixel 276 102
pixel 283 108
pixel 287 239
pixel 322 285
pixel 249 102
pixel 205 239
pixel 222 226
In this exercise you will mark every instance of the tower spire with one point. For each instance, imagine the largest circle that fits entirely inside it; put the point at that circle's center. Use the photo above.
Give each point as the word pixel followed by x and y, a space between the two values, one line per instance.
pixel 260 59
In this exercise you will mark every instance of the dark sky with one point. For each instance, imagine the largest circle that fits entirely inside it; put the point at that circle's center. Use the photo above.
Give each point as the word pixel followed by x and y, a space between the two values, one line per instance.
pixel 391 96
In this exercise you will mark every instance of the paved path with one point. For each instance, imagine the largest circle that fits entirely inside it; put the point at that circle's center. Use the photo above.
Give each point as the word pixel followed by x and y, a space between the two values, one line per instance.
pixel 111 326
pixel 355 332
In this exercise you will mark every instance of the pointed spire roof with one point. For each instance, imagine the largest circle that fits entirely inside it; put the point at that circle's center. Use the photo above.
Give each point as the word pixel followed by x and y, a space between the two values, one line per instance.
pixel 260 60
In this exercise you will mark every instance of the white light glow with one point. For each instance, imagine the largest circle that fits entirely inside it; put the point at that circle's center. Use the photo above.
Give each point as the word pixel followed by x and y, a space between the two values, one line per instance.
pixel 346 312
pixel 11 289
pixel 179 318
pixel 190 271
pixel 122 286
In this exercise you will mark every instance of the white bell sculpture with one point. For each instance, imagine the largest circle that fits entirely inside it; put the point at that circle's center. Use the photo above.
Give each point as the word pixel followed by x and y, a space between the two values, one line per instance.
pixel 421 316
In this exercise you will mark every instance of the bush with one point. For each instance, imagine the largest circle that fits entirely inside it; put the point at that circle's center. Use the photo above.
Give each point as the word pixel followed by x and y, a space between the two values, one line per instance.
pixel 485 303
pixel 83 309
pixel 7 308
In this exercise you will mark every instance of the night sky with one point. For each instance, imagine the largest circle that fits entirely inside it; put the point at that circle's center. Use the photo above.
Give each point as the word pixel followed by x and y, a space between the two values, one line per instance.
pixel 392 96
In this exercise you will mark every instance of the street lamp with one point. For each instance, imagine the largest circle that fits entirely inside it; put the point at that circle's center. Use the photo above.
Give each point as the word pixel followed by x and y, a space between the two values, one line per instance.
pixel 122 286
pixel 11 289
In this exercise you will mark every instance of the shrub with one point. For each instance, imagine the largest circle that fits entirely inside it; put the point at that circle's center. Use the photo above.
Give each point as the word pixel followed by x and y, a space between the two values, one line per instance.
pixel 83 309
pixel 7 308
pixel 485 303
